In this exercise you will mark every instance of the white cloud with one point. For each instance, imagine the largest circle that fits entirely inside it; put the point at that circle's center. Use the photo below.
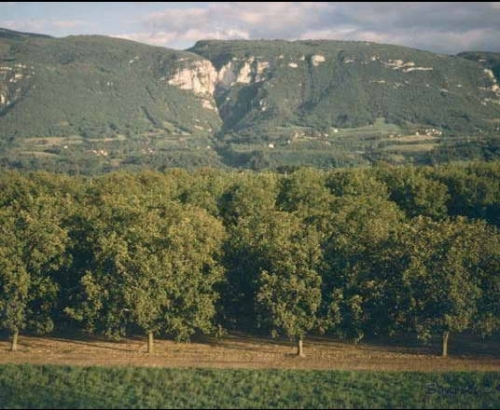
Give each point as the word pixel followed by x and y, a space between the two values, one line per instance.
pixel 184 39
pixel 444 27
pixel 233 20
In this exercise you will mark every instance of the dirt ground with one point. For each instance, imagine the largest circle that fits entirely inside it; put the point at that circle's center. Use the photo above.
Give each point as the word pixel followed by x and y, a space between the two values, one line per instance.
pixel 237 350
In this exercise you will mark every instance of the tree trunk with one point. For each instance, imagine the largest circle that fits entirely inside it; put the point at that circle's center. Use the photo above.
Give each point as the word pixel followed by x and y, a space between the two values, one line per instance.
pixel 300 348
pixel 150 342
pixel 446 334
pixel 15 335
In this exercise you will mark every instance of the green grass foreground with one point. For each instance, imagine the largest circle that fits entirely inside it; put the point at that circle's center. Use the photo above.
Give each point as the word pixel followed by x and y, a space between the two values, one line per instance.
pixel 27 386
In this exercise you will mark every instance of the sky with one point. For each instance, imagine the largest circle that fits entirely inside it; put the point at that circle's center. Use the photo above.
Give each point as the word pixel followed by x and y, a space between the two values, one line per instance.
pixel 440 27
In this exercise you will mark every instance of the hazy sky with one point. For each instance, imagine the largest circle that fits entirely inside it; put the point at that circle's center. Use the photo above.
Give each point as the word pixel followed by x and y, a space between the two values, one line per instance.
pixel 440 27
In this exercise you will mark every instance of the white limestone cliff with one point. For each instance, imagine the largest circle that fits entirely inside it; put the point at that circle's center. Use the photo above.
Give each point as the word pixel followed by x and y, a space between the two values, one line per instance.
pixel 202 78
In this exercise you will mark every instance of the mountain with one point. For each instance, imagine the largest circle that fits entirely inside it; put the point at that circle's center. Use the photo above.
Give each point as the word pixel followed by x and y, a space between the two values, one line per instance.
pixel 326 84
pixel 94 86
pixel 106 102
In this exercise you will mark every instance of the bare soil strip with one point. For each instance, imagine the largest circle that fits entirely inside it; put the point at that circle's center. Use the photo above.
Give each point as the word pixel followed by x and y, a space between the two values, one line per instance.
pixel 243 351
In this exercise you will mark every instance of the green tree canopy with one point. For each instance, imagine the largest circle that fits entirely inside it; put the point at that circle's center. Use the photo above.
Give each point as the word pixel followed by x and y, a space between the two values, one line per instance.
pixel 156 265
pixel 32 247
pixel 442 278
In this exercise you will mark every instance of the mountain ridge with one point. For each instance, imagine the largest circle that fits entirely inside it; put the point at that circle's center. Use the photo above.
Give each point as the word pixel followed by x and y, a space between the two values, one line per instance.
pixel 242 100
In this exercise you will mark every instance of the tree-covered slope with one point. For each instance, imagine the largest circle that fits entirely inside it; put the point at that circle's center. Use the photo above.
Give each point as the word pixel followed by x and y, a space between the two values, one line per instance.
pixel 487 59
pixel 323 84
pixel 94 86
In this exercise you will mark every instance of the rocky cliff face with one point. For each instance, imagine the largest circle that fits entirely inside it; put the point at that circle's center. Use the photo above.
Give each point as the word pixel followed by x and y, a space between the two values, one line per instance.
pixel 204 80
pixel 13 80
pixel 199 77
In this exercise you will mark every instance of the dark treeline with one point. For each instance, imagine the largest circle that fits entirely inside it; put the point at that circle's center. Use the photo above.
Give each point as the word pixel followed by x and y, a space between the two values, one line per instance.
pixel 350 253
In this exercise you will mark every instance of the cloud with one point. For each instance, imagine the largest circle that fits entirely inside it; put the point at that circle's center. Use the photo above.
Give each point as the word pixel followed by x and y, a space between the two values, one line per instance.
pixel 443 27
pixel 234 21
pixel 188 37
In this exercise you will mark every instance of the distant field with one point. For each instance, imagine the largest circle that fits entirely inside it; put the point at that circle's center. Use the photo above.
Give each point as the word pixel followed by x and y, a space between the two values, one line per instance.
pixel 53 140
pixel 38 153
pixel 379 128
pixel 410 147
pixel 74 139
pixel 349 142
pixel 26 386
pixel 413 138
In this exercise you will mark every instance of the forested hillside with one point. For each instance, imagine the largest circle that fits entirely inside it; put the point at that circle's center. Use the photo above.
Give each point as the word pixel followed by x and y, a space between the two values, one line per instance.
pixel 352 253
pixel 325 84
pixel 91 104
pixel 92 87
